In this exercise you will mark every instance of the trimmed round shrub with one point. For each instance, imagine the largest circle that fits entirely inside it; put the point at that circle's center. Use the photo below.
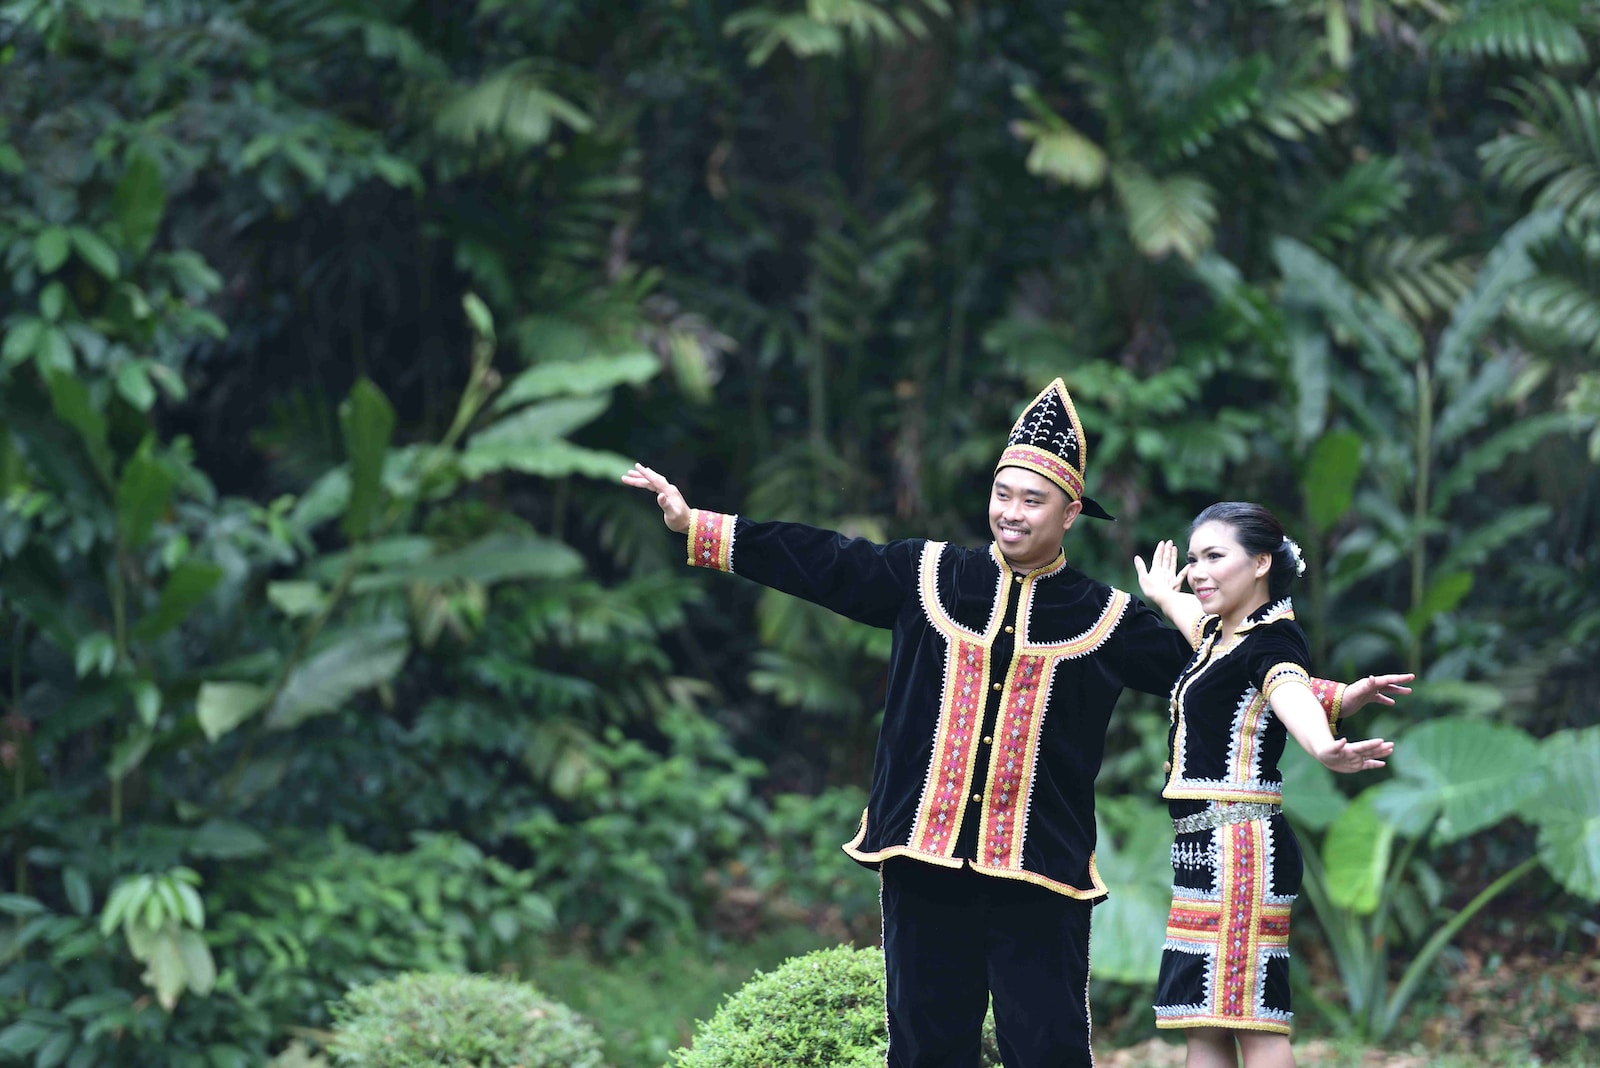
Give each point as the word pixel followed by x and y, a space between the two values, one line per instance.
pixel 819 1010
pixel 444 1020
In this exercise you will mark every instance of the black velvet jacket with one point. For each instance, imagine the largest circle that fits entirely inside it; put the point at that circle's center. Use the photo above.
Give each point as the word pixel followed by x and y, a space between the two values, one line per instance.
pixel 1000 688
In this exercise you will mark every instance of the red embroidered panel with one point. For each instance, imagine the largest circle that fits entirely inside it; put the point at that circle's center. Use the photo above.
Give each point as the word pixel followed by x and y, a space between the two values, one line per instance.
pixel 1236 966
pixel 1011 762
pixel 959 719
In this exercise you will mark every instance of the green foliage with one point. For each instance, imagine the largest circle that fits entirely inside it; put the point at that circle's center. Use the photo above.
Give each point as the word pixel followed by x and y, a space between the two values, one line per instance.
pixel 619 876
pixel 823 1008
pixel 294 532
pixel 454 1021
pixel 1375 896
pixel 1547 32
pixel 1133 856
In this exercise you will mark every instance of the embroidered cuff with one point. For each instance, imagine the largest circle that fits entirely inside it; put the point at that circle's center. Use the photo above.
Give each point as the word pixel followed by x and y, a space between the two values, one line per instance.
pixel 711 539
pixel 1331 695
pixel 1278 674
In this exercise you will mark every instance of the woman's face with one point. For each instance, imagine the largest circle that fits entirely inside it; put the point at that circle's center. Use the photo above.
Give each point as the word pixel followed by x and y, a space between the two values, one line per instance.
pixel 1228 581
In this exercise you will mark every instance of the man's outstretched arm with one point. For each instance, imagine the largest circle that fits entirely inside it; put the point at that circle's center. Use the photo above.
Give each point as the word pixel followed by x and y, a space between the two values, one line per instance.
pixel 855 577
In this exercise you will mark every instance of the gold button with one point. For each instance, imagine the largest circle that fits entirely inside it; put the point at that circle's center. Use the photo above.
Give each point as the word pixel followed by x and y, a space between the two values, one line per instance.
pixel 1019 578
pixel 976 798
pixel 996 686
pixel 1011 630
pixel 987 740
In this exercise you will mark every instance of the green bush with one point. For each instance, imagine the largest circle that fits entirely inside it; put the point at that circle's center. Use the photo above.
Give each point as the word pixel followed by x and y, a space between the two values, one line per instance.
pixel 819 1010
pixel 442 1020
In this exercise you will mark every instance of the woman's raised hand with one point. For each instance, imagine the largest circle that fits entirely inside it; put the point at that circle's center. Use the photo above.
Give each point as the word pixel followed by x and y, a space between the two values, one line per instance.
pixel 674 511
pixel 1347 756
pixel 1375 689
pixel 1162 578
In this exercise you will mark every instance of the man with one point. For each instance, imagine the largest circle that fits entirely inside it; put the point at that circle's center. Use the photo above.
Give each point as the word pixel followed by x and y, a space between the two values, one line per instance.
pixel 1003 672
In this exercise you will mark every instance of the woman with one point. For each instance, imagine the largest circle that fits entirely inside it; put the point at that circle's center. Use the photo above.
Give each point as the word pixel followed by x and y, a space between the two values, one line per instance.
pixel 1236 865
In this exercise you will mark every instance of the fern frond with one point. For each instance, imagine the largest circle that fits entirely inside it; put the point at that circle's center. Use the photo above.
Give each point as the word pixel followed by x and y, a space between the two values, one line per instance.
pixel 512 105
pixel 765 32
pixel 826 25
pixel 1412 277
pixel 1548 32
pixel 1559 153
pixel 1362 197
pixel 1558 310
pixel 1060 150
pixel 1291 113
pixel 1171 214
pixel 1198 98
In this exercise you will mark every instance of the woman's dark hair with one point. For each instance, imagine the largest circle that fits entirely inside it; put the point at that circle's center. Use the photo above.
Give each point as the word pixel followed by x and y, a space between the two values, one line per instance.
pixel 1258 531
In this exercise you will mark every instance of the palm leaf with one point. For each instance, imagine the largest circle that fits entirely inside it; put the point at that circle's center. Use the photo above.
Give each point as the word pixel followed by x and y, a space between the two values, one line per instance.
pixel 1548 32
pixel 1411 277
pixel 1386 344
pixel 1561 310
pixel 513 106
pixel 1173 214
pixel 1210 102
pixel 1364 196
pixel 1557 152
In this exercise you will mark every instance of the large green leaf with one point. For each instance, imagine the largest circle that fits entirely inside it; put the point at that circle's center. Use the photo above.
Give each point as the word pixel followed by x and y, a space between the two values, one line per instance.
pixel 1479 543
pixel 143 493
pixel 1311 797
pixel 1132 857
pixel 1471 774
pixel 188 585
pixel 1507 266
pixel 578 378
pixel 1308 351
pixel 1355 855
pixel 222 706
pixel 1445 591
pixel 69 396
pixel 1568 813
pixel 1491 453
pixel 139 201
pixel 51 248
pixel 94 251
pixel 367 421
pixel 494 558
pixel 1329 483
pixel 1312 281
pixel 547 459
pixel 546 421
pixel 356 660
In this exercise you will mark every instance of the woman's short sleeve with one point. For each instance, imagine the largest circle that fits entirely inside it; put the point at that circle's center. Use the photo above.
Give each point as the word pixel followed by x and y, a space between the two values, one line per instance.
pixel 1278 653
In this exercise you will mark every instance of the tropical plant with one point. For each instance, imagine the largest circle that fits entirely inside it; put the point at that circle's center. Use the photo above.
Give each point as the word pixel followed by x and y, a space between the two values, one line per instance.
pixel 1376 899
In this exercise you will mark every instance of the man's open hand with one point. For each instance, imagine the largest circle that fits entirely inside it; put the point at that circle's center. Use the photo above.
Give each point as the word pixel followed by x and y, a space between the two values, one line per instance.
pixel 674 511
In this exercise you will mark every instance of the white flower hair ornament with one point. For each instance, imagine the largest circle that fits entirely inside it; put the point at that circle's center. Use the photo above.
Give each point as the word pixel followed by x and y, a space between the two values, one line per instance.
pixel 1294 551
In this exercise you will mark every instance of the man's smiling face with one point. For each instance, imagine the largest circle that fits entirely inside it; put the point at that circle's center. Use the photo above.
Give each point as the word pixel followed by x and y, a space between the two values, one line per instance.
pixel 1028 514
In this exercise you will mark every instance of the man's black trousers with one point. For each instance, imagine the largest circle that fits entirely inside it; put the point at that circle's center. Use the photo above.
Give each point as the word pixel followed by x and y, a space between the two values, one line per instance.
pixel 953 936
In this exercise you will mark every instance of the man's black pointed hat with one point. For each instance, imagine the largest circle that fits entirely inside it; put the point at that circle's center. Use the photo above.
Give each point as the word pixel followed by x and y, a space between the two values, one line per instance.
pixel 1048 440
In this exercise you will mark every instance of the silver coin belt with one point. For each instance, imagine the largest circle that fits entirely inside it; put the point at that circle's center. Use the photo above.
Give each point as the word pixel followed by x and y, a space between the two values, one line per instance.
pixel 1216 815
